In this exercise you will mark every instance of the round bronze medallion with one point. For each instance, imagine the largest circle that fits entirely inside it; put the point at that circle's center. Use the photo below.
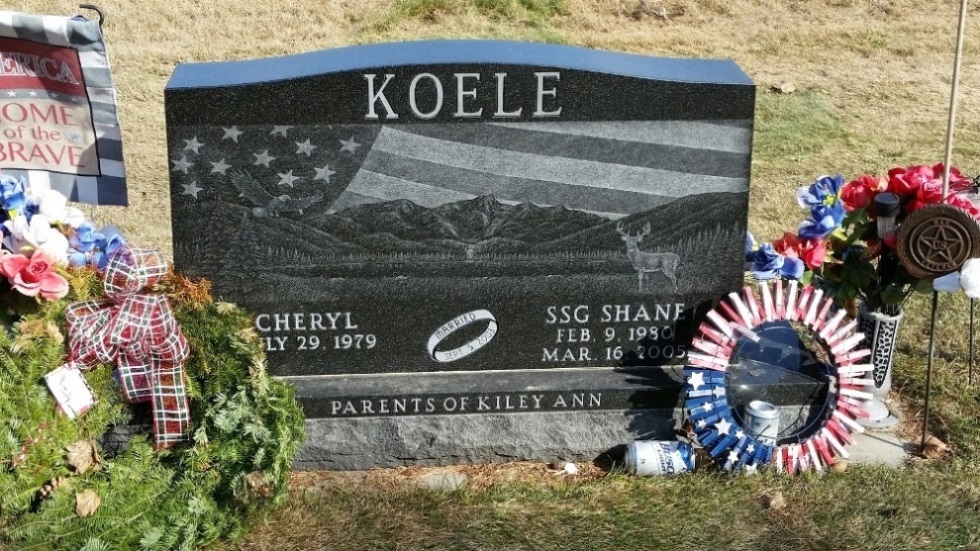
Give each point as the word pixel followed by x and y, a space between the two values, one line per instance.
pixel 937 240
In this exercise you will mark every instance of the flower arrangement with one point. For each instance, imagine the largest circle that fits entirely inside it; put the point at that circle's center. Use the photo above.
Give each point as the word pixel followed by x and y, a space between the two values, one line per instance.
pixel 43 235
pixel 846 245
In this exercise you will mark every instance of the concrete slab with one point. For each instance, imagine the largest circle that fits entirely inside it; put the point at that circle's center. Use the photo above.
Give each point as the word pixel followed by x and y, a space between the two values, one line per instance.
pixel 880 448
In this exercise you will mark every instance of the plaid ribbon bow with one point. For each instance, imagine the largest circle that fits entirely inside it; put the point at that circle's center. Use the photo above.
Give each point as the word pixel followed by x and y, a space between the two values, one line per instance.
pixel 138 333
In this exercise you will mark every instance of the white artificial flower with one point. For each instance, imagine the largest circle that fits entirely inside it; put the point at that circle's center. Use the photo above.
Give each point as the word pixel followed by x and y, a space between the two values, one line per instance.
pixel 967 280
pixel 26 237
pixel 73 217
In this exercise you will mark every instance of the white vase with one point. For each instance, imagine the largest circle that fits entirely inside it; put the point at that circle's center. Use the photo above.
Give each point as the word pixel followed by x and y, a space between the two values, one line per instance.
pixel 881 336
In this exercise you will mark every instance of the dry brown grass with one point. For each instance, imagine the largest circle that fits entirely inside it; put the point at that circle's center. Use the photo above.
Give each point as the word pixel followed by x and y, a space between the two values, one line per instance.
pixel 878 69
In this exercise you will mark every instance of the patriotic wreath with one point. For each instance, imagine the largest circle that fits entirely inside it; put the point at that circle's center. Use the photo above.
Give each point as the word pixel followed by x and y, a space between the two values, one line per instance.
pixel 706 402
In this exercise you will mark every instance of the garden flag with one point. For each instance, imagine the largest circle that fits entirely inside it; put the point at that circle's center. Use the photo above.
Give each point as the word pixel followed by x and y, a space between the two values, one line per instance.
pixel 58 123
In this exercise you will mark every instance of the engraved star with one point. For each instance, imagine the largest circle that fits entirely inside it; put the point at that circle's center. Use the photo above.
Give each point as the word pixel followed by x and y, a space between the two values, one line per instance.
pixel 287 178
pixel 938 241
pixel 11 93
pixel 192 189
pixel 280 130
pixel 723 426
pixel 263 158
pixel 733 456
pixel 192 145
pixel 181 165
pixel 323 173
pixel 305 148
pixel 349 145
pixel 231 133
pixel 220 167
pixel 696 380
pixel 32 93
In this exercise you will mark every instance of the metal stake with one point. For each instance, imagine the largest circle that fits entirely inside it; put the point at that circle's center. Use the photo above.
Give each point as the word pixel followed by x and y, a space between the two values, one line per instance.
pixel 932 353
pixel 950 123
pixel 972 327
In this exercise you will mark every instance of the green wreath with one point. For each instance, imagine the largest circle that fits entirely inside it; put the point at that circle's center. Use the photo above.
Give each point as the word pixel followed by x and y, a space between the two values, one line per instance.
pixel 58 492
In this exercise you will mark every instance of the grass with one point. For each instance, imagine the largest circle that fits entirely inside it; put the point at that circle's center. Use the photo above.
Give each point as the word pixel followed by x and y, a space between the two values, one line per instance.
pixel 872 79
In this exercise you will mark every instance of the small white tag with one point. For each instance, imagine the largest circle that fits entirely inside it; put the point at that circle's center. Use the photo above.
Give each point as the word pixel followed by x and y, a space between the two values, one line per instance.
pixel 70 390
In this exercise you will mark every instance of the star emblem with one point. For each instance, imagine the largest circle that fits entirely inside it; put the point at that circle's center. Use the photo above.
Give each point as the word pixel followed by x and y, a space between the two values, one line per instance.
pixel 718 391
pixel 32 93
pixel 740 434
pixel 349 145
pixel 709 406
pixel 220 167
pixel 263 158
pixel 702 423
pixel 723 426
pixel 55 96
pixel 76 99
pixel 939 247
pixel 305 148
pixel 192 145
pixel 231 133
pixel 280 130
pixel 696 380
pixel 11 93
pixel 323 173
pixel 74 137
pixel 181 165
pixel 750 448
pixel 733 456
pixel 192 189
pixel 287 178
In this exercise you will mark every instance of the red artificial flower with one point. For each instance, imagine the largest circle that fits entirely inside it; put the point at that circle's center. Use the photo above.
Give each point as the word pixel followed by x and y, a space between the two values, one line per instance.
pixel 811 251
pixel 929 193
pixel 860 193
pixel 957 181
pixel 906 181
pixel 35 275
pixel 965 204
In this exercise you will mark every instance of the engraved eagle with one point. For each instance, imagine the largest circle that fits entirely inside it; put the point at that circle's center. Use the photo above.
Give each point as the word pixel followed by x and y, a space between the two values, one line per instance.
pixel 265 203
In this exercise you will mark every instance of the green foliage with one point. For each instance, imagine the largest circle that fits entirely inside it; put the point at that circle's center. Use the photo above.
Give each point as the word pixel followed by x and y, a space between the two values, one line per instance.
pixel 247 428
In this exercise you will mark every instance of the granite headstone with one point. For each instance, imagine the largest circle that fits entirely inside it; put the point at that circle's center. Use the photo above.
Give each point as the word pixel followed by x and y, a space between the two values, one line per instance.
pixel 466 250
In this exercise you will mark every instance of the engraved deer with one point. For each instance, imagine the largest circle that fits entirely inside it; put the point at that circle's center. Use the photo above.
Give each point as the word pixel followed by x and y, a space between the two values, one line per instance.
pixel 648 262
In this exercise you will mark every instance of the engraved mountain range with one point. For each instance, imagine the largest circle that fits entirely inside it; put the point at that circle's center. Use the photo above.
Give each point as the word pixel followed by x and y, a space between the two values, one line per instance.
pixel 477 226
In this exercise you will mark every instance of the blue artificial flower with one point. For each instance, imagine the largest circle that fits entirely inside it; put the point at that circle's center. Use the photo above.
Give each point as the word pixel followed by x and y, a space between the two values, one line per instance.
pixel 824 219
pixel 768 264
pixel 824 192
pixel 77 258
pixel 85 238
pixel 111 240
pixel 12 193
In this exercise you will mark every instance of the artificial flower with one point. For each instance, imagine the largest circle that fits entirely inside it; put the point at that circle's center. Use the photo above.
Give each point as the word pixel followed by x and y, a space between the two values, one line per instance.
pixel 54 206
pixel 824 219
pixel 25 237
pixel 824 192
pixel 12 193
pixel 769 264
pixel 860 194
pixel 811 251
pixel 34 276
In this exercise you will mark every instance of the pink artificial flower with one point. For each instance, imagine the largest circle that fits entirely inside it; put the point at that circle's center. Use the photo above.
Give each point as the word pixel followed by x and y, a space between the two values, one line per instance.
pixel 929 193
pixel 957 181
pixel 34 276
pixel 860 193
pixel 811 251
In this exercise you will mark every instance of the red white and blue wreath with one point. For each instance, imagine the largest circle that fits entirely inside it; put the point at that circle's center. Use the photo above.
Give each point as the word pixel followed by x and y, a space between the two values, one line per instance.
pixel 706 403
